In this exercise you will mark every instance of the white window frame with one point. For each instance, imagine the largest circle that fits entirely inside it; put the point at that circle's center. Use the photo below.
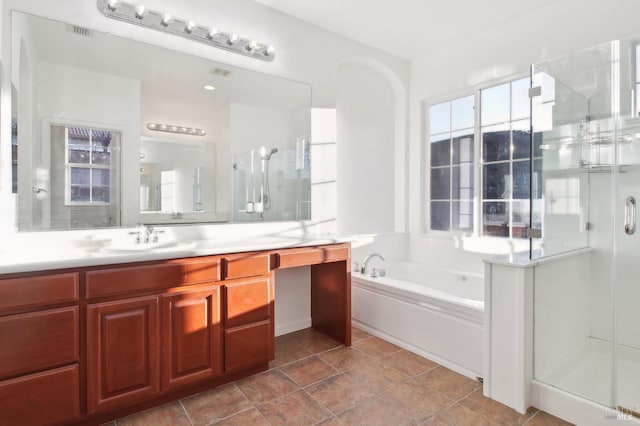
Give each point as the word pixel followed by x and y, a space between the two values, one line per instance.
pixel 518 243
pixel 90 166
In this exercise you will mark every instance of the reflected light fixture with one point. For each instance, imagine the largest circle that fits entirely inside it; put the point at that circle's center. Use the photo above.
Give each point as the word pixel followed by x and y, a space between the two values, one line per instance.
pixel 138 14
pixel 192 131
pixel 209 87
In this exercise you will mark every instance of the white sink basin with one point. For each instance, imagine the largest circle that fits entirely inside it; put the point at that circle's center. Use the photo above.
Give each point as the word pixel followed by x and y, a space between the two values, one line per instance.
pixel 159 247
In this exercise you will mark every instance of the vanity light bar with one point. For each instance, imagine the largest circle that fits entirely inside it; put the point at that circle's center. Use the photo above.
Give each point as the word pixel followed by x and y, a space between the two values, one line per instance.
pixel 139 15
pixel 176 129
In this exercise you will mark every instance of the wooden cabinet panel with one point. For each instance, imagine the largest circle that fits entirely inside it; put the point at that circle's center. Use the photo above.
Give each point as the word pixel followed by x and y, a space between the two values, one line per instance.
pixel 158 276
pixel 305 256
pixel 26 292
pixel 246 265
pixel 122 353
pixel 331 300
pixel 247 346
pixel 247 302
pixel 191 337
pixel 38 340
pixel 50 397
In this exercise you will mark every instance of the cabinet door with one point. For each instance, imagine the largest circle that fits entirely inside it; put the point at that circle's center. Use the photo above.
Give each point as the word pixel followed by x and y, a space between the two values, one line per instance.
pixel 191 337
pixel 247 301
pixel 247 346
pixel 122 353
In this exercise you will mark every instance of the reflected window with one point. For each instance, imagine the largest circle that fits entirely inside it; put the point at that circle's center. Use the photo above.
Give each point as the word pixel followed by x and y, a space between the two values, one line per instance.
pixel 88 165
pixel 14 156
pixel 450 151
pixel 506 159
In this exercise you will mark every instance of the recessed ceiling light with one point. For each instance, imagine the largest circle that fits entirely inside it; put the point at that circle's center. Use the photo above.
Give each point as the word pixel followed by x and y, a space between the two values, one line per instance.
pixel 209 87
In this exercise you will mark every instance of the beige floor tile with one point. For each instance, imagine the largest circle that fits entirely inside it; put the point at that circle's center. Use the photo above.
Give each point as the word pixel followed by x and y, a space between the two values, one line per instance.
pixel 357 334
pixel 266 386
pixel 408 362
pixel 493 410
pixel 215 404
pixel 448 382
pixel 377 411
pixel 308 371
pixel 251 417
pixel 545 419
pixel 289 352
pixel 333 421
pixel 458 415
pixel 376 375
pixel 376 347
pixel 340 392
pixel 343 358
pixel 419 401
pixel 296 408
pixel 166 415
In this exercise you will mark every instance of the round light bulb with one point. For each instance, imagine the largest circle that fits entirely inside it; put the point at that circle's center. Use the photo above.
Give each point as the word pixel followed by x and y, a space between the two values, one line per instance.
pixel 163 127
pixel 166 19
pixel 212 33
pixel 151 126
pixel 232 39
pixel 140 11
pixel 253 45
pixel 202 132
pixel 270 50
pixel 189 26
pixel 113 4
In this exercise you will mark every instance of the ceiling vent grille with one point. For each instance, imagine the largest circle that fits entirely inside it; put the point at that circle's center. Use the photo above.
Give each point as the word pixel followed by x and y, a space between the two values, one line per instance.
pixel 79 31
pixel 220 71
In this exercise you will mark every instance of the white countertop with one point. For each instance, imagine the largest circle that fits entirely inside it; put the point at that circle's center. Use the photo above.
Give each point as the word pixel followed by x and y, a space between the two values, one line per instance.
pixel 88 251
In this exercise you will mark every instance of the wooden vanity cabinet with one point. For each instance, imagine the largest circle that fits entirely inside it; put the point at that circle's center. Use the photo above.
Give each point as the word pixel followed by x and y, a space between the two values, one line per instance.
pixel 98 343
pixel 39 349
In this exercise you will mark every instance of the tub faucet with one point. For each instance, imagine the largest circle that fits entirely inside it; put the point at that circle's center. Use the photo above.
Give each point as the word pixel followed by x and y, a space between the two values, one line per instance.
pixel 363 266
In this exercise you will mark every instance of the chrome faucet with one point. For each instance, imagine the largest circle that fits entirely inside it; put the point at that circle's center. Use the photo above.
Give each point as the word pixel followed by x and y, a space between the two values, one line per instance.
pixel 363 266
pixel 148 230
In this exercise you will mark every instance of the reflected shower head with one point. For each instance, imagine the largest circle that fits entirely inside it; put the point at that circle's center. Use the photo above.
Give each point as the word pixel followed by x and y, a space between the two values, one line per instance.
pixel 273 151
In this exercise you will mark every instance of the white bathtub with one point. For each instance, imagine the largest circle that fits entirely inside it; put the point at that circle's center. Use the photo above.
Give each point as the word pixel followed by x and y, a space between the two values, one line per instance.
pixel 434 312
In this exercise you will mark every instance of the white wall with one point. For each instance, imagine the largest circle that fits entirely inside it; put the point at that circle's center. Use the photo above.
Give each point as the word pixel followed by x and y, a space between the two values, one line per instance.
pixel 365 133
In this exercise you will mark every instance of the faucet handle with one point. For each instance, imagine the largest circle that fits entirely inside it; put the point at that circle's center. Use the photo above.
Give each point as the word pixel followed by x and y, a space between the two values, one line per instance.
pixel 356 267
pixel 137 234
pixel 155 235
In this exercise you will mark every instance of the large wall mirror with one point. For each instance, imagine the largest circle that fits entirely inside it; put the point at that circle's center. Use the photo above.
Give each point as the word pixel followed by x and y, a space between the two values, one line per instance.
pixel 108 131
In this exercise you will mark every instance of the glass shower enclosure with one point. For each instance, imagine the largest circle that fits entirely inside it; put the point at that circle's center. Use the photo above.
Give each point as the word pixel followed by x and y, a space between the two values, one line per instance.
pixel 586 125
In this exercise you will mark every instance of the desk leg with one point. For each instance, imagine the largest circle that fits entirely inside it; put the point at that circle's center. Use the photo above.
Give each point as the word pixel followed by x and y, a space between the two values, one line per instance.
pixel 331 300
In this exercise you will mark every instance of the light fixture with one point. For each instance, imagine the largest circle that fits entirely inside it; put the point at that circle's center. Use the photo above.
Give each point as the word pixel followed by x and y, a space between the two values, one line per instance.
pixel 209 87
pixel 176 129
pixel 138 14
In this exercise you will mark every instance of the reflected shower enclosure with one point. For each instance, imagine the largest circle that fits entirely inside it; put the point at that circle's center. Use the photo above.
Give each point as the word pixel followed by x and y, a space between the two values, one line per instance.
pixel 273 183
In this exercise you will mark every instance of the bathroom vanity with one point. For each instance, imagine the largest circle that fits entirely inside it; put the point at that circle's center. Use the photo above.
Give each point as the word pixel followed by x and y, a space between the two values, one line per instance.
pixel 89 344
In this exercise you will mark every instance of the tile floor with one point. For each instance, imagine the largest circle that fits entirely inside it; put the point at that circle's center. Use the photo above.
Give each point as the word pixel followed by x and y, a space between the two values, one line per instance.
pixel 314 381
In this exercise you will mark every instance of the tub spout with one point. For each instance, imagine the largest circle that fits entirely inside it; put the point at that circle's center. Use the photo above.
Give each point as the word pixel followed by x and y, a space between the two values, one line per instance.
pixel 363 266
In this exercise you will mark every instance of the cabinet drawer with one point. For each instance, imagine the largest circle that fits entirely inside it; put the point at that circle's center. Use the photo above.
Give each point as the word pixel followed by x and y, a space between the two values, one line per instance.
pixel 27 292
pixel 38 340
pixel 157 276
pixel 49 397
pixel 247 346
pixel 247 302
pixel 246 265
pixel 312 255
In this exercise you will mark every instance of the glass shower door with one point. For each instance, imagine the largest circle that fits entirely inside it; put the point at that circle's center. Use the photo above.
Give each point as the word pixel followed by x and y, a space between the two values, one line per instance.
pixel 574 130
pixel 626 391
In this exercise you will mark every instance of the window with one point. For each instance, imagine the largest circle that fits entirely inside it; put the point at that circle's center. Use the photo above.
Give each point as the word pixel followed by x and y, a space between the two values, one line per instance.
pixel 503 132
pixel 451 160
pixel 506 161
pixel 88 165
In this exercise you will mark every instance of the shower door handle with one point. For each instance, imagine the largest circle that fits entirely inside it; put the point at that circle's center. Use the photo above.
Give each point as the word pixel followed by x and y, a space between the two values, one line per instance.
pixel 630 216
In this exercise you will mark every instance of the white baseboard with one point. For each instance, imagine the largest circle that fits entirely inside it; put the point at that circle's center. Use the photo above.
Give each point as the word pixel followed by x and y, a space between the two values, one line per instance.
pixel 292 326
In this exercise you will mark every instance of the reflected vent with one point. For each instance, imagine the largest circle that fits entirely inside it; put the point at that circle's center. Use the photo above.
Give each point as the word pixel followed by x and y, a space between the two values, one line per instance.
pixel 79 31
pixel 220 71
